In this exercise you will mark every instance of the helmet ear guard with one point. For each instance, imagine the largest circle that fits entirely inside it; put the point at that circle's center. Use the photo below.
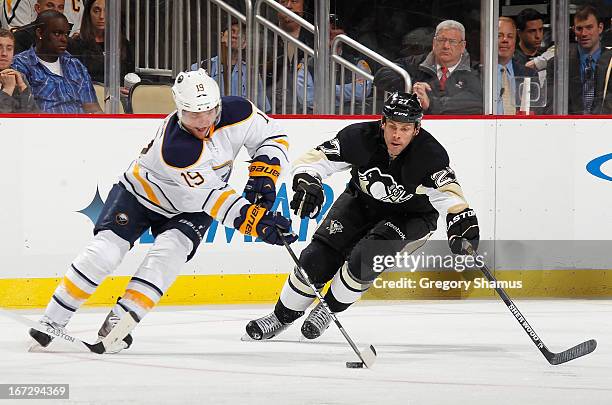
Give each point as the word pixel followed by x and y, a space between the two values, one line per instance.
pixel 195 91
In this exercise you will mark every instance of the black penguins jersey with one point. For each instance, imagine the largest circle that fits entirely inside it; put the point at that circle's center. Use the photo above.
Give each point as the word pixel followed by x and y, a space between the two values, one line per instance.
pixel 178 172
pixel 417 180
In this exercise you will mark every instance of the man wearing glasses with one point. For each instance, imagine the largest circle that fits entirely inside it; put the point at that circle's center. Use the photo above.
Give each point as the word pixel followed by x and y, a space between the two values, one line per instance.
pixel 443 80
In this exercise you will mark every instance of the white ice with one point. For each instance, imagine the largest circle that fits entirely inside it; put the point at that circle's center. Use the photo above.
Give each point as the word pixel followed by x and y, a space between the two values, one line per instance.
pixel 429 352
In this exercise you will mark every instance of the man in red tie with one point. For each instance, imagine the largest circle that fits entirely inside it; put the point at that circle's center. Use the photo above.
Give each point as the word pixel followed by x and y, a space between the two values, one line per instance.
pixel 443 80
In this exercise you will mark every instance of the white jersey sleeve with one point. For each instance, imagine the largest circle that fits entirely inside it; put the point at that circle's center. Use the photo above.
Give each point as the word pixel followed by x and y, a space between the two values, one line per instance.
pixel 73 10
pixel 267 138
pixel 17 13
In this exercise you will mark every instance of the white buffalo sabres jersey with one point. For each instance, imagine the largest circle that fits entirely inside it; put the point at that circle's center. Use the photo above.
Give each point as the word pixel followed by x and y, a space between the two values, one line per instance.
pixel 179 173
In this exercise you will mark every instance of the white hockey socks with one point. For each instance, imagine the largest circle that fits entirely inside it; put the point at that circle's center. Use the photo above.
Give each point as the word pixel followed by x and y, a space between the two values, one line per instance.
pixel 296 294
pixel 99 259
pixel 156 273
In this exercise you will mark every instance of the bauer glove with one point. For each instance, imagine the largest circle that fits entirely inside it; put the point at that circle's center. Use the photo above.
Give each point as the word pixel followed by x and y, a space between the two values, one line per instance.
pixel 463 225
pixel 261 186
pixel 308 195
pixel 256 221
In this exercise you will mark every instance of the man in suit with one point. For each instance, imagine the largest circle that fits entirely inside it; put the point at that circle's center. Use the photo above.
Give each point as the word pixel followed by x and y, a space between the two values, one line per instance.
pixel 443 80
pixel 584 57
pixel 603 84
pixel 508 68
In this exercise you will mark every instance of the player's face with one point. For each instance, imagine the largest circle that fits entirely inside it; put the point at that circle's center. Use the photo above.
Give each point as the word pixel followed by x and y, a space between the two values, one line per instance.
pixel 199 123
pixel 97 14
pixel 506 39
pixel 398 135
pixel 448 46
pixel 55 36
pixel 588 32
pixel 6 52
pixel 44 5
pixel 532 35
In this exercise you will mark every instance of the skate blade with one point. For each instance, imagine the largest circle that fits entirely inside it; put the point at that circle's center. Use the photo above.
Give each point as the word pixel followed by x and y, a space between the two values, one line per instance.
pixel 247 338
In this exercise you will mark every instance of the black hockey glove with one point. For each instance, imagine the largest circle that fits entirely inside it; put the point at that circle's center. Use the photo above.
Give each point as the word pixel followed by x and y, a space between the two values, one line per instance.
pixel 261 186
pixel 308 196
pixel 256 221
pixel 463 225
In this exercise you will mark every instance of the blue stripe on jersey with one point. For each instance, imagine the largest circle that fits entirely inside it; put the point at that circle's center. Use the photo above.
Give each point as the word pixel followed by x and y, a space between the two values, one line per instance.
pixel 180 149
pixel 233 110
pixel 83 276
pixel 148 284
pixel 63 304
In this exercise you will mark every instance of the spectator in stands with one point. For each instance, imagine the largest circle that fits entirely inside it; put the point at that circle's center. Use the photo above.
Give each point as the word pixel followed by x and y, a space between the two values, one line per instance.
pixel 603 85
pixel 15 93
pixel 344 90
pixel 443 80
pixel 294 55
pixel 583 62
pixel 530 25
pixel 24 38
pixel 15 14
pixel 417 42
pixel 88 47
pixel 239 76
pixel 509 68
pixel 60 83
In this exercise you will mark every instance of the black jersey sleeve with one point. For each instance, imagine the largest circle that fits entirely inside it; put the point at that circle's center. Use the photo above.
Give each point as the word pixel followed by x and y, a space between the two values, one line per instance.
pixel 439 183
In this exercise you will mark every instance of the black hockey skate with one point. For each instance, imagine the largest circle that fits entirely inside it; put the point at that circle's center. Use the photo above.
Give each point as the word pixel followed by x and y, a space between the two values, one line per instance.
pixel 109 323
pixel 316 322
pixel 42 338
pixel 265 327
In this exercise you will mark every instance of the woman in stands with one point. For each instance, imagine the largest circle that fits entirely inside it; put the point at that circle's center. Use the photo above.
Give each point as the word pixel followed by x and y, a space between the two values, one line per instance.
pixel 88 47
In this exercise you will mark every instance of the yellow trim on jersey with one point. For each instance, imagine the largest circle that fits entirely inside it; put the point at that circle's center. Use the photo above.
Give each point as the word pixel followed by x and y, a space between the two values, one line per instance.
pixel 145 185
pixel 215 209
pixel 222 165
pixel 261 169
pixel 139 298
pixel 236 123
pixel 282 142
pixel 253 216
pixel 74 291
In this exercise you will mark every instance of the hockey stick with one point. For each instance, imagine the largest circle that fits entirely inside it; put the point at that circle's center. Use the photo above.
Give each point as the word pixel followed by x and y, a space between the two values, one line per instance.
pixel 121 330
pixel 368 355
pixel 572 353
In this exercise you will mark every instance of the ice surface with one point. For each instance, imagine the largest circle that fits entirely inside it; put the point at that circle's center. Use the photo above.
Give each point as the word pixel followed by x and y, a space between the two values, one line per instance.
pixel 429 352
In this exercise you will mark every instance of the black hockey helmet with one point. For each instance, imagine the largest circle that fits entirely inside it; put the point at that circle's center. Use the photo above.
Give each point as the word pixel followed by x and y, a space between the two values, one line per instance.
pixel 403 107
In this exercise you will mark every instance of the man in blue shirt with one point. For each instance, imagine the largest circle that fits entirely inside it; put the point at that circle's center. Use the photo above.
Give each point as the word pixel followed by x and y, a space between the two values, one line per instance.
pixel 60 83
pixel 239 76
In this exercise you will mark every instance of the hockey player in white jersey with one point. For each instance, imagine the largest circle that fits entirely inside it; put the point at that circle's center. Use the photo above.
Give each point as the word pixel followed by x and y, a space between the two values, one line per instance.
pixel 177 186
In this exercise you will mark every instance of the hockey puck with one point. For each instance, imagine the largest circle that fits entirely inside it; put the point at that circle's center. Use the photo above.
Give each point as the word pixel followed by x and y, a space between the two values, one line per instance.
pixel 354 364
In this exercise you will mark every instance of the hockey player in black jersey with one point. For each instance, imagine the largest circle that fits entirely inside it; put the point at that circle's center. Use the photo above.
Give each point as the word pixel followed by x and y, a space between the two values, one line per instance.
pixel 400 183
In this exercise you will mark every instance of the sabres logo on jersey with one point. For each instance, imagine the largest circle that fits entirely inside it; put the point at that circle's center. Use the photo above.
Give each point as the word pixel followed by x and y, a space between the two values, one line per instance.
pixel 382 187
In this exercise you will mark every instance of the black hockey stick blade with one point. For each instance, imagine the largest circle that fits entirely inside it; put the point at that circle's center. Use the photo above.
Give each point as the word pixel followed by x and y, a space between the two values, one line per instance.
pixel 554 359
pixel 580 350
pixel 368 355
pixel 76 342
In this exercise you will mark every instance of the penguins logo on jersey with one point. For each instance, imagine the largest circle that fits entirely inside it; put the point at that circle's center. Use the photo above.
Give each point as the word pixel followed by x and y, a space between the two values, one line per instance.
pixel 382 187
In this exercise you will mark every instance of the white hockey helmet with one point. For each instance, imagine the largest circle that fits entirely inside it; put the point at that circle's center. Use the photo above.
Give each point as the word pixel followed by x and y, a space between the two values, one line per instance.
pixel 196 91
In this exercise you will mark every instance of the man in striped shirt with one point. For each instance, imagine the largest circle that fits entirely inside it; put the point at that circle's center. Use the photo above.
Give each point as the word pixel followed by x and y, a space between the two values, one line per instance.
pixel 60 83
